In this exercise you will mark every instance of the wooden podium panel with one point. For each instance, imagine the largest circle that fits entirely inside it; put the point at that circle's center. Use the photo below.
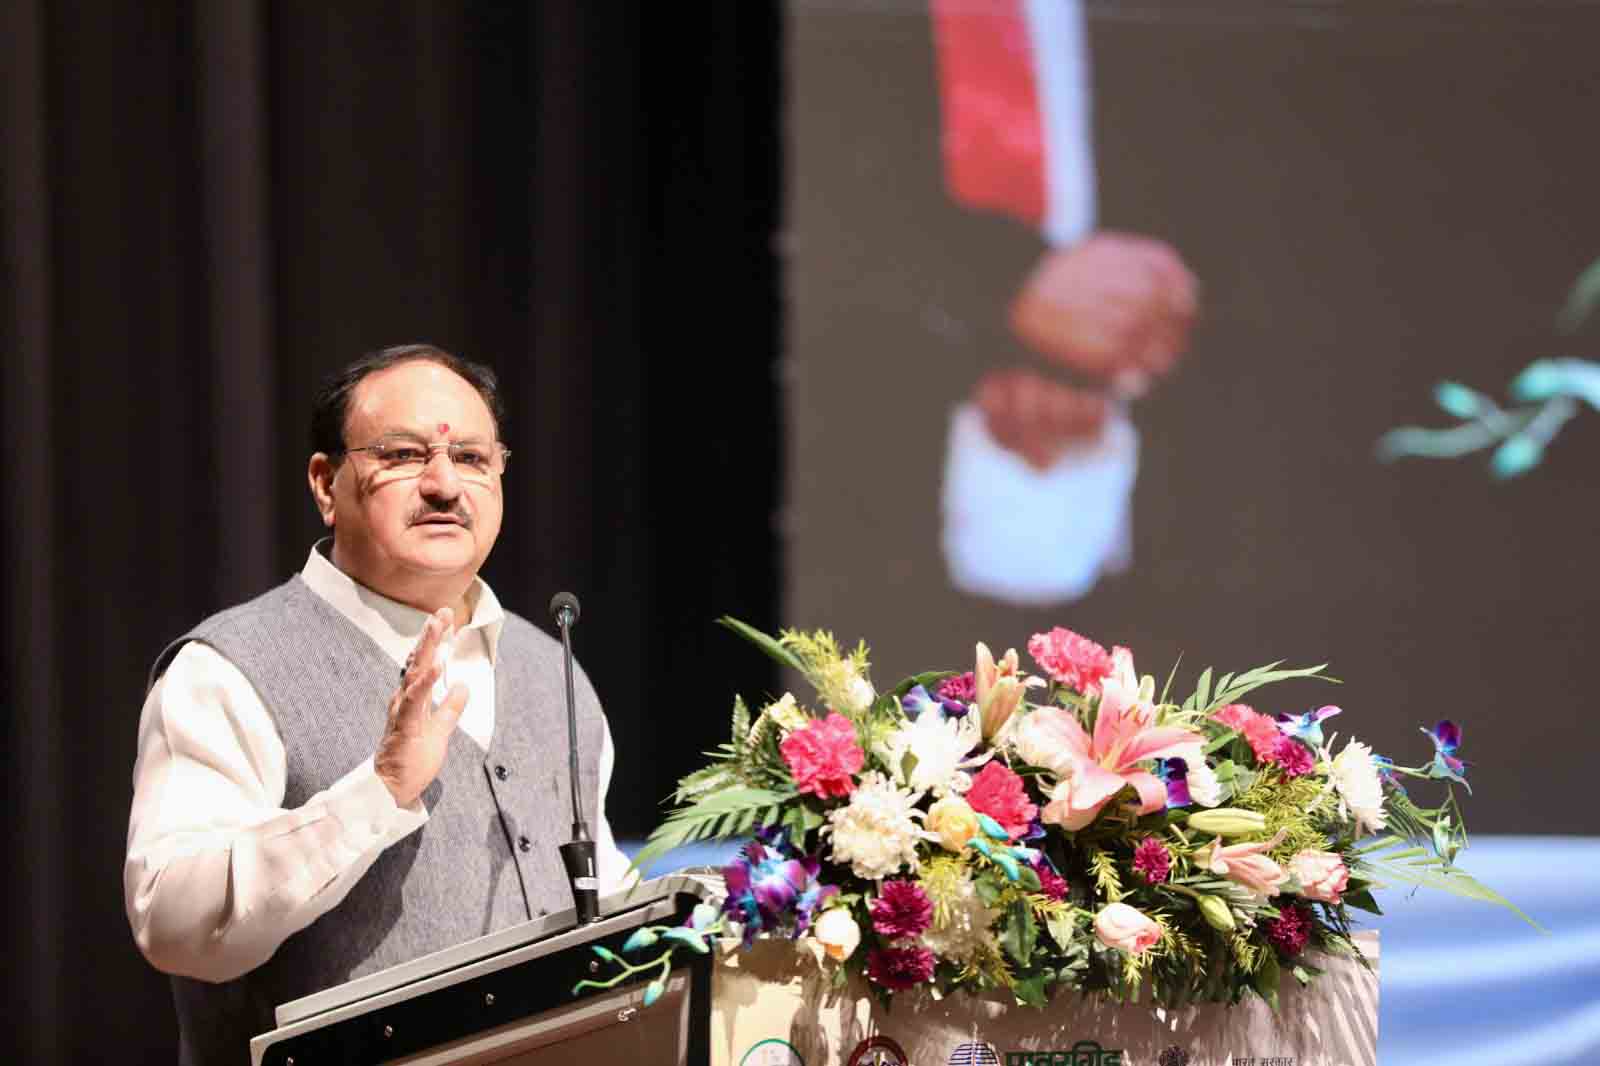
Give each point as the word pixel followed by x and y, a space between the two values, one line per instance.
pixel 507 999
pixel 613 1027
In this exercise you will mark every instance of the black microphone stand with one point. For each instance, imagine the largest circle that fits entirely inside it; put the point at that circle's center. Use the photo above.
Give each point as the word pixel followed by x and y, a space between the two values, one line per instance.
pixel 578 853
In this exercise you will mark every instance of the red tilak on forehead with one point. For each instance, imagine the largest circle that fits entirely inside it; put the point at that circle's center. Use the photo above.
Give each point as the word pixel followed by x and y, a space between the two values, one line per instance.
pixel 444 427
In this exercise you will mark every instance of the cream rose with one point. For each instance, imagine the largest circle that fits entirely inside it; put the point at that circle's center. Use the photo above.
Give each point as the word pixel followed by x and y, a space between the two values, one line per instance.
pixel 838 933
pixel 1322 875
pixel 953 822
pixel 1121 926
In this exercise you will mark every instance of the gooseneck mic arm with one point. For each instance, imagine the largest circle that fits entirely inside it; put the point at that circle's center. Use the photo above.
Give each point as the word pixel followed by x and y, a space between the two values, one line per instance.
pixel 578 853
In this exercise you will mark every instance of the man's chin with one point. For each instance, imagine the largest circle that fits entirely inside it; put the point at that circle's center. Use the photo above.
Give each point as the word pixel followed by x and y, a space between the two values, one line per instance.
pixel 441 550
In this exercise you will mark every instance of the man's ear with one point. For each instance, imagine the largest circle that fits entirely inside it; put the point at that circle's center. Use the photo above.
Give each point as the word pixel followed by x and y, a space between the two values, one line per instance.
pixel 320 472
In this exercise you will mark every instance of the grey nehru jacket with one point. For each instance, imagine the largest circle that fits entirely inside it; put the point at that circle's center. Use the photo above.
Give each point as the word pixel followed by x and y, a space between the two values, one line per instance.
pixel 485 859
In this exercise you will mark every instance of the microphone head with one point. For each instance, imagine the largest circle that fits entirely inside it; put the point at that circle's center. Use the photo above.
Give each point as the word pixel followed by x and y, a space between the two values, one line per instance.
pixel 564 608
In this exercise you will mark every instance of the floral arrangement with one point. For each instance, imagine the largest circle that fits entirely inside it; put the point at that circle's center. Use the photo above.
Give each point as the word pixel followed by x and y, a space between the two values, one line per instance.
pixel 1070 828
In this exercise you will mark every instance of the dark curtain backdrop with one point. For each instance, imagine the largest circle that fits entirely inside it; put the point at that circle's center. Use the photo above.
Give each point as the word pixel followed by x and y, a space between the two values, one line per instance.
pixel 207 207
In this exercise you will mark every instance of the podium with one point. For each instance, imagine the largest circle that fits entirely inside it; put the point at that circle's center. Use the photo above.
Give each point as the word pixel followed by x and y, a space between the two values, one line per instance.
pixel 507 999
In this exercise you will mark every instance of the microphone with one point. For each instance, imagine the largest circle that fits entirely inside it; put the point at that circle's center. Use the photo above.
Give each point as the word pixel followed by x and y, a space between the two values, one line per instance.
pixel 578 853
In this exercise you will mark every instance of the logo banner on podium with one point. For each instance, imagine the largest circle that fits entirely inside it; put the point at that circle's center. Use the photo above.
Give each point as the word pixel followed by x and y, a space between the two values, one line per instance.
pixel 773 1004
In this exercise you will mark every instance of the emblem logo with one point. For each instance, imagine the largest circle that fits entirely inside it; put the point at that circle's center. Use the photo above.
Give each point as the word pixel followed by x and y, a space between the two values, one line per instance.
pixel 974 1053
pixel 772 1052
pixel 1174 1056
pixel 878 1051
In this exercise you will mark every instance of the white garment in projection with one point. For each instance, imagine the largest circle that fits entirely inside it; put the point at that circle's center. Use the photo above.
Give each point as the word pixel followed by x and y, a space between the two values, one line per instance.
pixel 1037 537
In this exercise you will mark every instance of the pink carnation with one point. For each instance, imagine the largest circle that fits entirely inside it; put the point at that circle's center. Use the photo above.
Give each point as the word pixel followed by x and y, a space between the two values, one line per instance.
pixel 1293 757
pixel 1075 661
pixel 899 968
pixel 1262 732
pixel 998 792
pixel 1234 715
pixel 962 687
pixel 1152 860
pixel 1051 884
pixel 823 755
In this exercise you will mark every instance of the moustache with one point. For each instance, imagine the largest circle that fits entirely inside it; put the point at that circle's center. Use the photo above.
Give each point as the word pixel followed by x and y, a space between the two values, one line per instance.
pixel 458 514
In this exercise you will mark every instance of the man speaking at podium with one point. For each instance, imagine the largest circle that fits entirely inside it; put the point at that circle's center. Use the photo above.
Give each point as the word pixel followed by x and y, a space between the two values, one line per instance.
pixel 367 763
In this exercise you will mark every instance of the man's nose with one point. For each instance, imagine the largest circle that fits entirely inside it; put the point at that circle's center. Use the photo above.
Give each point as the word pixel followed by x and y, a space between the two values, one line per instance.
pixel 439 479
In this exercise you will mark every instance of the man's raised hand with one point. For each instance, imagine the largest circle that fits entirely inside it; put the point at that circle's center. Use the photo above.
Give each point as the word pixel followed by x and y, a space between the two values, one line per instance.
pixel 417 735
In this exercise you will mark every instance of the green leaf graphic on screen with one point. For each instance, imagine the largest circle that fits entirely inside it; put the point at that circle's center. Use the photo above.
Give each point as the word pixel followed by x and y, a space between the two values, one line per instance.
pixel 1547 393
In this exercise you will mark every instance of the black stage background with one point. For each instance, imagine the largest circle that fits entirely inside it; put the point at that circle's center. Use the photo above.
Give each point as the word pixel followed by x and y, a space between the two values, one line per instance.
pixel 208 207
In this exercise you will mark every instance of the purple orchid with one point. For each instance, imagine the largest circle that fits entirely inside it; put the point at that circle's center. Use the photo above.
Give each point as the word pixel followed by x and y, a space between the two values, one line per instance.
pixel 1446 737
pixel 918 700
pixel 1175 773
pixel 1307 727
pixel 1386 773
pixel 769 882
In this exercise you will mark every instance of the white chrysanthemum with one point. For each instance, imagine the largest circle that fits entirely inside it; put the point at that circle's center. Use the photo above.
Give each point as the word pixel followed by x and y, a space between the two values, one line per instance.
pixel 1204 788
pixel 878 831
pixel 964 934
pixel 938 746
pixel 1354 776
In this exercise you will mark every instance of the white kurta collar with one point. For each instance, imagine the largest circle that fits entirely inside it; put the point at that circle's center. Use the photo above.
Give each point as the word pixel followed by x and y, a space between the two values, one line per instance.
pixel 394 625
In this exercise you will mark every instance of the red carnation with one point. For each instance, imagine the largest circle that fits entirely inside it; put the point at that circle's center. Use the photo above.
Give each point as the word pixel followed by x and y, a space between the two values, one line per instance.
pixel 998 792
pixel 1152 860
pixel 902 909
pixel 899 968
pixel 1293 758
pixel 1290 931
pixel 823 755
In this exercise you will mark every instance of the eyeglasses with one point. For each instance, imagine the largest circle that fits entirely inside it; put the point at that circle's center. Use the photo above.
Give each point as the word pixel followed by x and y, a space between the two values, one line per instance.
pixel 406 457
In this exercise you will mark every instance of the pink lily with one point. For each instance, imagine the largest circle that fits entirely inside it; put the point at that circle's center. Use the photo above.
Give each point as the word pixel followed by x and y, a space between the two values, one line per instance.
pixel 1093 770
pixel 999 689
pixel 1247 864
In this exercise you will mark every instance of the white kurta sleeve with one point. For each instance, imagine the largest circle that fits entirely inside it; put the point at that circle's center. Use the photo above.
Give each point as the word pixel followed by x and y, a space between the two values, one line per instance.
pixel 218 873
pixel 611 864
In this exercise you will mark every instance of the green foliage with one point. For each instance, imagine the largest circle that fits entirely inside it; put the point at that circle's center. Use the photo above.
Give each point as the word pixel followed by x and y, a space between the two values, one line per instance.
pixel 1020 933
pixel 829 669
pixel 1246 954
pixel 1060 918
pixel 942 879
pixel 1267 975
pixel 1582 300
pixel 775 649
pixel 1390 859
pixel 1420 849
pixel 1107 879
pixel 928 679
pixel 1291 805
pixel 728 813
pixel 1230 688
